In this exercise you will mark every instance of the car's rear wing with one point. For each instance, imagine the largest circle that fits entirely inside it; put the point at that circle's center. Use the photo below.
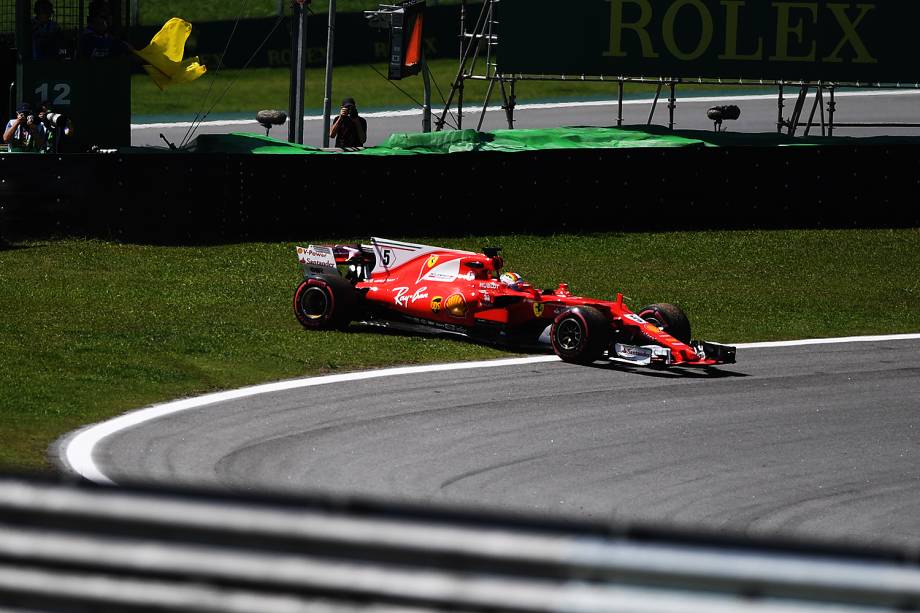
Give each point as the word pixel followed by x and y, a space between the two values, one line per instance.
pixel 317 259
pixel 331 259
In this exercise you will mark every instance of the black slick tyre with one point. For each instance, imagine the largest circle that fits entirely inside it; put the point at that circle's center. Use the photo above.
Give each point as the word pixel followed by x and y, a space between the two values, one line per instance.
pixel 325 302
pixel 580 335
pixel 668 317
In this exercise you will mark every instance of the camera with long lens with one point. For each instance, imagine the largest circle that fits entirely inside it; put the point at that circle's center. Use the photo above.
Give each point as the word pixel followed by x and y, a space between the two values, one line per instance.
pixel 351 110
pixel 55 120
pixel 58 128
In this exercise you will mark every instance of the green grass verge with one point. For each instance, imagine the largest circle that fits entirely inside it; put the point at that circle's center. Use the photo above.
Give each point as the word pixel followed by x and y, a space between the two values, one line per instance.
pixel 91 329
pixel 248 91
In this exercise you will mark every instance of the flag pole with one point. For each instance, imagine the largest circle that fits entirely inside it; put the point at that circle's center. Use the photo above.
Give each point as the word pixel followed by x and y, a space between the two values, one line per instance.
pixel 426 81
pixel 330 52
pixel 298 69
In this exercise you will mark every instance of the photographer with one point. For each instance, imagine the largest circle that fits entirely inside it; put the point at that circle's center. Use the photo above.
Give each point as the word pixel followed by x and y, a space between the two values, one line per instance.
pixel 25 132
pixel 349 129
pixel 57 128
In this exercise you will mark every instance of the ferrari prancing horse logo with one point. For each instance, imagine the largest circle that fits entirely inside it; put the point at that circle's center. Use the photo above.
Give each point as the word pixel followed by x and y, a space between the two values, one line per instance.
pixel 538 309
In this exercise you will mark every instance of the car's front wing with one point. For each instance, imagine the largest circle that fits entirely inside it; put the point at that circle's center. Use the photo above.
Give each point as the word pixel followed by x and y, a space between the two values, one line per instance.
pixel 708 354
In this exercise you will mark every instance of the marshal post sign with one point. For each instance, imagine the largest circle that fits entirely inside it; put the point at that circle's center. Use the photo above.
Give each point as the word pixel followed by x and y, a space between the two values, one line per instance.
pixel 872 41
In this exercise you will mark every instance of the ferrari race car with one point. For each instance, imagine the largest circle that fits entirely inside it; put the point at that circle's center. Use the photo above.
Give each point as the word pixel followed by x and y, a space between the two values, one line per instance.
pixel 414 288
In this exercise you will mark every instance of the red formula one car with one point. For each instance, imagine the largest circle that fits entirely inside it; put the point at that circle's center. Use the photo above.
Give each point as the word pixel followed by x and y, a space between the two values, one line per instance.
pixel 418 287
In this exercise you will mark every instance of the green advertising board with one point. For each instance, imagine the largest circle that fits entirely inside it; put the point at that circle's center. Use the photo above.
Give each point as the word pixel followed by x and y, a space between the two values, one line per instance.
pixel 94 94
pixel 730 39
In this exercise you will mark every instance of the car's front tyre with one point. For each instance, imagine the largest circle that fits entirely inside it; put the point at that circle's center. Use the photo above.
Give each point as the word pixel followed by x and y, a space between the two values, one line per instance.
pixel 670 318
pixel 580 335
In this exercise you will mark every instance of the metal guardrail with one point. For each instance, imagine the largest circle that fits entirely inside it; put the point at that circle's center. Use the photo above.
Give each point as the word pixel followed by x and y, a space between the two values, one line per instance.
pixel 81 547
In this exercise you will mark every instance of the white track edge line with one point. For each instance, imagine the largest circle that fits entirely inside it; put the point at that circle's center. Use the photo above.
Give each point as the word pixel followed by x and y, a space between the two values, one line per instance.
pixel 829 341
pixel 531 107
pixel 78 450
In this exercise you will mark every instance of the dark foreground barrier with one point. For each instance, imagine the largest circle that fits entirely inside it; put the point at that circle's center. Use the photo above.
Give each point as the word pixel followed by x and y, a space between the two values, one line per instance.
pixel 82 548
pixel 163 197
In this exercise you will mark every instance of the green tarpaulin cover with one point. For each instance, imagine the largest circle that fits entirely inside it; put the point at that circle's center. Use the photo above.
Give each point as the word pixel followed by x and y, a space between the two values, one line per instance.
pixel 460 141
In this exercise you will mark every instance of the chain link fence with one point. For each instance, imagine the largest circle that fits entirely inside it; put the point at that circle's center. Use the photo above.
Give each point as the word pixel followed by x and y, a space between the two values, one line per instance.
pixel 7 21
pixel 70 15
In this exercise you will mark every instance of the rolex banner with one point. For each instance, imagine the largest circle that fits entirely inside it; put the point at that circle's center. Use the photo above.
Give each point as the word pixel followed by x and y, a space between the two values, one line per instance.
pixel 873 41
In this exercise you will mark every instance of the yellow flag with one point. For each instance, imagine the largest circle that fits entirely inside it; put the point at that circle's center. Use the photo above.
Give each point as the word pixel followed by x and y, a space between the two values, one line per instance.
pixel 164 55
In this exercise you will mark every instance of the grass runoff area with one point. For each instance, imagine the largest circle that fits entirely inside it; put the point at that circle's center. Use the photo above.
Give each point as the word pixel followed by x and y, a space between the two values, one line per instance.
pixel 251 90
pixel 221 93
pixel 245 92
pixel 91 329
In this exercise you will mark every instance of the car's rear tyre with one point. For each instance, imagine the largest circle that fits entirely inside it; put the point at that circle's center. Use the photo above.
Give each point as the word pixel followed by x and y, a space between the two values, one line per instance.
pixel 668 317
pixel 580 335
pixel 325 302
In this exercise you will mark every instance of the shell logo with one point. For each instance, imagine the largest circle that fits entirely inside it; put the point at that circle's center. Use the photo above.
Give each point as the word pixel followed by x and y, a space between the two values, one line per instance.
pixel 538 309
pixel 456 305
pixel 436 304
pixel 432 261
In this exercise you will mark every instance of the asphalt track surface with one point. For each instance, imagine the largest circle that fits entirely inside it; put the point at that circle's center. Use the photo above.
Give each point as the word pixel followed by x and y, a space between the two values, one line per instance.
pixel 821 441
pixel 758 114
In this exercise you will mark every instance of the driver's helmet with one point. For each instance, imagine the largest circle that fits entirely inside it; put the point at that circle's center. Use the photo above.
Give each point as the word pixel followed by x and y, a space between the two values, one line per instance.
pixel 512 280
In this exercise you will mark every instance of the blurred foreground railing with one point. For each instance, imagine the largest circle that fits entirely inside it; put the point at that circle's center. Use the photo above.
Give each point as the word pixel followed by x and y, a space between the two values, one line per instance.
pixel 81 547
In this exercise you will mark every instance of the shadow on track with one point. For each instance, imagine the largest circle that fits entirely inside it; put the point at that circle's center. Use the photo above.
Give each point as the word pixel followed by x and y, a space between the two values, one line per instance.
pixel 666 372
pixel 670 372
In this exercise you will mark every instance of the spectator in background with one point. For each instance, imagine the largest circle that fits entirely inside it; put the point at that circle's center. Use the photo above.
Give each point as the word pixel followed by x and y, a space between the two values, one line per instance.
pixel 349 128
pixel 101 7
pixel 25 132
pixel 96 40
pixel 46 34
